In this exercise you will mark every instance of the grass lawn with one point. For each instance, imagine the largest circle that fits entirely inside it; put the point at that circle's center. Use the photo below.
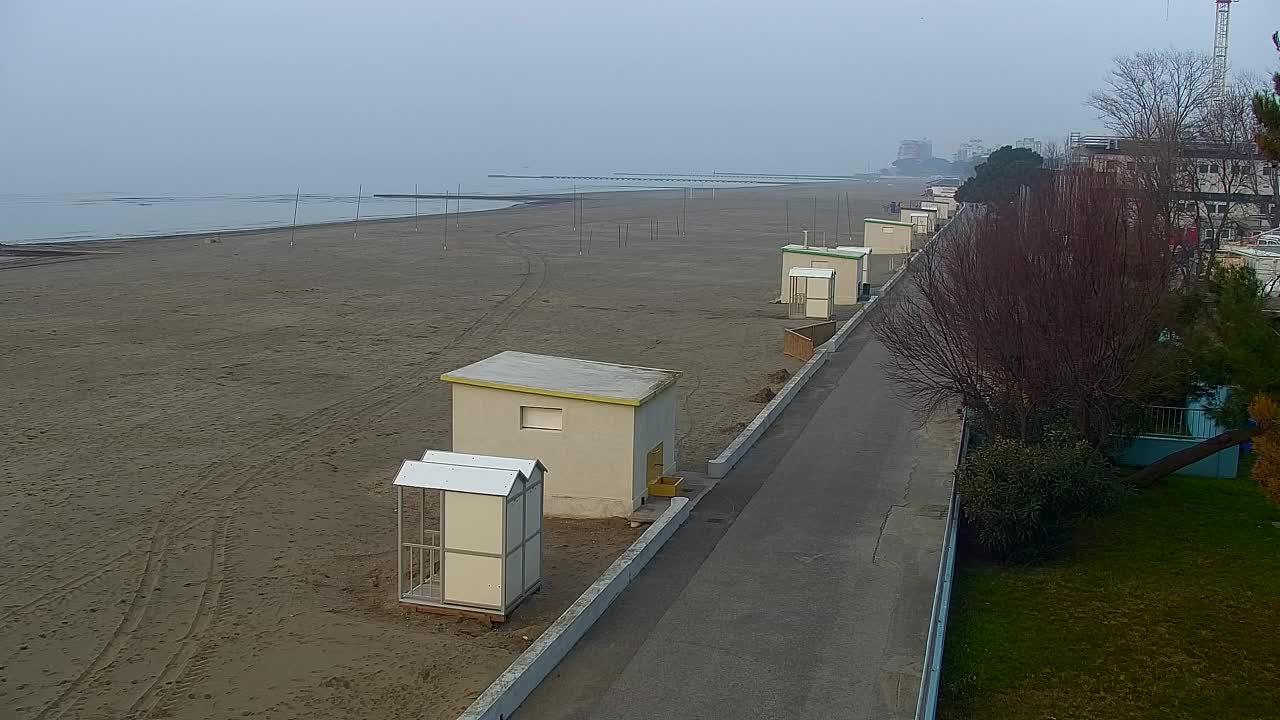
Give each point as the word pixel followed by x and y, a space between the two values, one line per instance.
pixel 1167 608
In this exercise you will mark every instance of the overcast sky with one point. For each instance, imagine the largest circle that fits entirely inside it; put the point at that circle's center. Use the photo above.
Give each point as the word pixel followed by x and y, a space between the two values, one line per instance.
pixel 255 95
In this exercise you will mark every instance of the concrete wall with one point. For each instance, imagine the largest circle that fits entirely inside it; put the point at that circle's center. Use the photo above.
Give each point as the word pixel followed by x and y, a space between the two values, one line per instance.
pixel 655 423
pixel 889 239
pixel 849 273
pixel 1146 450
pixel 589 462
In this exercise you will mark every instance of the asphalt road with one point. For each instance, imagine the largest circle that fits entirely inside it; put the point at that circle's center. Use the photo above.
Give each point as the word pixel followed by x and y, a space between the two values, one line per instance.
pixel 800 587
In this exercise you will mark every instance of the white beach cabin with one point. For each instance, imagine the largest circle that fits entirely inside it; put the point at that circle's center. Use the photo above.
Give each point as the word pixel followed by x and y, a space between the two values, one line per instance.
pixel 608 430
pixel 887 237
pixel 813 293
pixel 484 555
pixel 849 264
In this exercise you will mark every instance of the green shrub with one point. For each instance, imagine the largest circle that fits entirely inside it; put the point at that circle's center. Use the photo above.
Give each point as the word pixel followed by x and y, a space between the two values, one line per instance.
pixel 1021 499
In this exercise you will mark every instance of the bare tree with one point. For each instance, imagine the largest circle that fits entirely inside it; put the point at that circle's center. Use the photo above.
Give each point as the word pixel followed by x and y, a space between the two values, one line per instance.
pixel 1155 99
pixel 1049 311
pixel 1054 154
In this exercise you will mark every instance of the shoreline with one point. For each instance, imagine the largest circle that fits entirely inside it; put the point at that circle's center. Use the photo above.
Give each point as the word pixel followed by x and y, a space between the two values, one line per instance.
pixel 12 248
pixel 534 200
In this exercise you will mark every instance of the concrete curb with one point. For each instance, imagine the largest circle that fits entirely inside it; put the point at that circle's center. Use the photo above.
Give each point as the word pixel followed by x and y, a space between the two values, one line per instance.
pixel 505 694
pixel 720 466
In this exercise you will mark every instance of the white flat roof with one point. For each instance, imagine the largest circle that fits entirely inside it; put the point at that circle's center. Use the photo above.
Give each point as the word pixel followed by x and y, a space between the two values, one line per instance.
pixel 843 251
pixel 811 272
pixel 565 377
pixel 1261 253
pixel 444 457
pixel 457 478
pixel 882 221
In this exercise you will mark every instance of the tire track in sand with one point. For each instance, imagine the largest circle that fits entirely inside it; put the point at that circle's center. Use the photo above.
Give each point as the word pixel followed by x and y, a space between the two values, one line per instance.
pixel 388 395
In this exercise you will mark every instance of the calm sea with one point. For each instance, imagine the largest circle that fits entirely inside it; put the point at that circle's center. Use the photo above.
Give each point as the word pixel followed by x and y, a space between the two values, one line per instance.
pixel 69 217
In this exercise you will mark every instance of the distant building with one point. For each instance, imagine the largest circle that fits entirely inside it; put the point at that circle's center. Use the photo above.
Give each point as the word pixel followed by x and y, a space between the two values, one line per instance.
pixel 970 150
pixel 915 149
pixel 1030 143
pixel 1226 194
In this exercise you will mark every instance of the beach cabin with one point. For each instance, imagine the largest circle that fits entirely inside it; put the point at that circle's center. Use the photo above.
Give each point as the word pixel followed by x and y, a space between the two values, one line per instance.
pixel 887 236
pixel 607 429
pixel 474 545
pixel 849 264
pixel 923 220
pixel 943 208
pixel 812 293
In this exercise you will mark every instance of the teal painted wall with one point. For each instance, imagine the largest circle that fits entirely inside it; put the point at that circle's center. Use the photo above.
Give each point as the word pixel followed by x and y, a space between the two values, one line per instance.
pixel 1146 450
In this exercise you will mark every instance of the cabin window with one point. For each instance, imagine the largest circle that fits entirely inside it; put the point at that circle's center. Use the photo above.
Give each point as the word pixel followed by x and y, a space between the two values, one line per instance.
pixel 541 418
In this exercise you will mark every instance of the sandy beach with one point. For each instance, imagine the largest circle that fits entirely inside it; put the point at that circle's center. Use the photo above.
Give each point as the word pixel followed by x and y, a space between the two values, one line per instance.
pixel 198 438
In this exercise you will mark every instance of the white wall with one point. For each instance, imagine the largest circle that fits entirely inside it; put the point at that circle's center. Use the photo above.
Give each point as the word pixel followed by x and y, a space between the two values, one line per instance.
pixel 655 423
pixel 849 274
pixel 589 462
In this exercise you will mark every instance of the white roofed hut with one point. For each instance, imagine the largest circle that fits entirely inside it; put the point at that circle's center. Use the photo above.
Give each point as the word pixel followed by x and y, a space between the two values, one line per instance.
pixel 480 554
pixel 608 430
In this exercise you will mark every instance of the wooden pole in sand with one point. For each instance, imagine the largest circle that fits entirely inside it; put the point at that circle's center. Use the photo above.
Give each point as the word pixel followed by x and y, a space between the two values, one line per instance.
pixel 445 242
pixel 619 236
pixel 457 207
pixel 684 215
pixel 836 234
pixel 359 196
pixel 575 206
pixel 415 209
pixel 294 228
pixel 814 226
pixel 848 216
pixel 626 239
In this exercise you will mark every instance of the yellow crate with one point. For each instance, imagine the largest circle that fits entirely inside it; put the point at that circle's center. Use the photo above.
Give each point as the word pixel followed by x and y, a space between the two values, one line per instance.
pixel 666 486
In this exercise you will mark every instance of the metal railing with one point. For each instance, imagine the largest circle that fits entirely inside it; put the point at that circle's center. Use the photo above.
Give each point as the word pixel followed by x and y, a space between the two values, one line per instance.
pixel 1177 422
pixel 420 568
pixel 935 642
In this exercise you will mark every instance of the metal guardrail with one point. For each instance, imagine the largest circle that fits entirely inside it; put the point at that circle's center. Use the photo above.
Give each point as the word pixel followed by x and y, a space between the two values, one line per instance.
pixel 931 677
pixel 1178 422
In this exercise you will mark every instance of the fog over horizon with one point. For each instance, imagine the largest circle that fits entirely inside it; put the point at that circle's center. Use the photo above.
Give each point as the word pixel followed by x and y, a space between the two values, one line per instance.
pixel 186 97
